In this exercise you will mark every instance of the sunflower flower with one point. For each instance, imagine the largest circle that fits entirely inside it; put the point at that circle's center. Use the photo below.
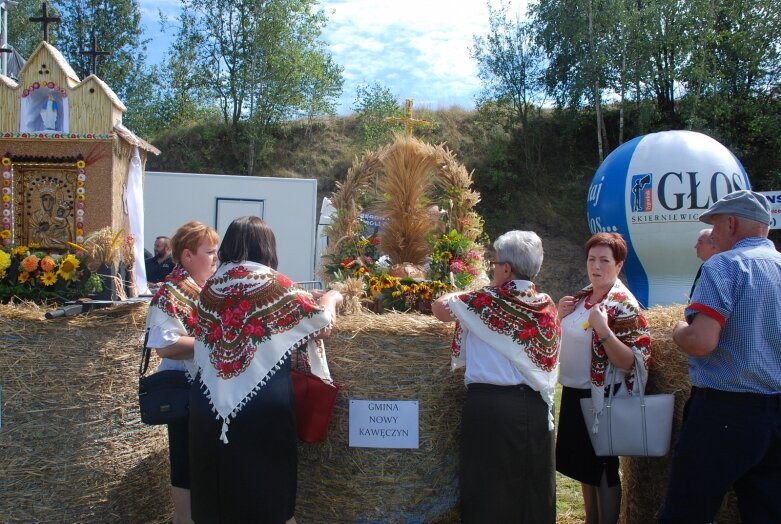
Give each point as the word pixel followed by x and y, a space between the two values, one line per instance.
pixel 5 261
pixel 48 278
pixel 30 263
pixel 68 267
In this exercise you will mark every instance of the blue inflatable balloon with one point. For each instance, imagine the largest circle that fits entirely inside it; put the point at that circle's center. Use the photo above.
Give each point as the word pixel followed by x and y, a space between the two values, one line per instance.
pixel 652 190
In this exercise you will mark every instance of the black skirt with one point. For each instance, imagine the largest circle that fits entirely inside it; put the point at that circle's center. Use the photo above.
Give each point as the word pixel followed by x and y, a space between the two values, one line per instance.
pixel 506 470
pixel 252 478
pixel 575 456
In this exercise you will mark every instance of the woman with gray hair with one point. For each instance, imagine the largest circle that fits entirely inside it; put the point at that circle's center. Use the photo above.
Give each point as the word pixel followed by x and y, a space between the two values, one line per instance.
pixel 507 341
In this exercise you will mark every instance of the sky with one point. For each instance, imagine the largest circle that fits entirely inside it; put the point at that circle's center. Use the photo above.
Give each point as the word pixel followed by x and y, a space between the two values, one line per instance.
pixel 418 49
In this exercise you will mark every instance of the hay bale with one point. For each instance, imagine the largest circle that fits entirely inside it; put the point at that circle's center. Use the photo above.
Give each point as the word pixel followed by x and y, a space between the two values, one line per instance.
pixel 387 357
pixel 644 480
pixel 72 445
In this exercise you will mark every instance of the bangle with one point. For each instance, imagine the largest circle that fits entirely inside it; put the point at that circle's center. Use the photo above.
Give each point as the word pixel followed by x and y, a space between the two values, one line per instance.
pixel 601 341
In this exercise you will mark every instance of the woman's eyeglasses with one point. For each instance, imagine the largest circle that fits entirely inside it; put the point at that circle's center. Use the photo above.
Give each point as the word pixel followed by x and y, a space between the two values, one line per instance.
pixel 492 264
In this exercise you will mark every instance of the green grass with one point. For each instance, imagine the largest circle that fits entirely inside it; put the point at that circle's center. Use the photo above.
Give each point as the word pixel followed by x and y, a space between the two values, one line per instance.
pixel 569 499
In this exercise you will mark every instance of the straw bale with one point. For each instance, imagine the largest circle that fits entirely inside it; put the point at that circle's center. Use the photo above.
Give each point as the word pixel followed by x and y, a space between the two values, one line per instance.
pixel 387 357
pixel 644 480
pixel 72 445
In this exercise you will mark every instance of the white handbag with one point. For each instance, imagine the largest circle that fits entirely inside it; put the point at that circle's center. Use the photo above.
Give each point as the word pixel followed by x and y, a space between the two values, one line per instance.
pixel 630 426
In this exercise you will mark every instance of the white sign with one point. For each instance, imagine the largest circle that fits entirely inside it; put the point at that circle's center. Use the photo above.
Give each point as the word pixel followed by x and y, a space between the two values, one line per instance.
pixel 774 197
pixel 384 424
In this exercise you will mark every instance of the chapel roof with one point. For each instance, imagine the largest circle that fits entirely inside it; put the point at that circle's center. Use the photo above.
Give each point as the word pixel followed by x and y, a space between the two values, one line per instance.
pixel 58 59
pixel 106 89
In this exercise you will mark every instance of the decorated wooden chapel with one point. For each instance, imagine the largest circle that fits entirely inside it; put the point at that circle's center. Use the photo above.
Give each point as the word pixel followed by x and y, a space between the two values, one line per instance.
pixel 69 166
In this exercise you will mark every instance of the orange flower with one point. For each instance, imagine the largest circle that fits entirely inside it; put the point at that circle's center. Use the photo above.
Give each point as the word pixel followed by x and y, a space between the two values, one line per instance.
pixel 47 263
pixel 30 263
pixel 24 276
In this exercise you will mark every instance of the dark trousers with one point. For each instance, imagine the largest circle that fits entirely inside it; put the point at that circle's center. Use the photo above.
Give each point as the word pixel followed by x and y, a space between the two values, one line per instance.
pixel 507 460
pixel 727 440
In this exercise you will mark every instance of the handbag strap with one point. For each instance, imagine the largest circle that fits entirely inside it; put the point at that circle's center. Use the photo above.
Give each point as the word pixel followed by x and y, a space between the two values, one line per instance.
pixel 146 352
pixel 638 376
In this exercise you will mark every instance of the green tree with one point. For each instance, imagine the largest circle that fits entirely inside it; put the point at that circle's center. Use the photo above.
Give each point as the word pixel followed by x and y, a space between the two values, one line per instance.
pixel 576 38
pixel 180 94
pixel 24 35
pixel 373 104
pixel 264 60
pixel 117 27
pixel 511 65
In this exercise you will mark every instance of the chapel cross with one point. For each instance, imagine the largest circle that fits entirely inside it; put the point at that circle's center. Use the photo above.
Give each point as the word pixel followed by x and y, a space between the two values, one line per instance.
pixel 45 20
pixel 408 121
pixel 94 53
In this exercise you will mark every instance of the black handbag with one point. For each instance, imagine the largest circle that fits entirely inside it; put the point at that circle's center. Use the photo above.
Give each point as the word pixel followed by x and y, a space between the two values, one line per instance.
pixel 163 397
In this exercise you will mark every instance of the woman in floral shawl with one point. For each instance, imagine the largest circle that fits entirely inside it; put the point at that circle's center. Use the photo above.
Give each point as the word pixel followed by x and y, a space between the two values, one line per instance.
pixel 507 339
pixel 601 324
pixel 250 318
pixel 171 324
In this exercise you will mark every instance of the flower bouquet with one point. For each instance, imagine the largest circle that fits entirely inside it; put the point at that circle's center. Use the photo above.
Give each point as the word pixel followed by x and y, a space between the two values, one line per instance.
pixel 456 259
pixel 28 273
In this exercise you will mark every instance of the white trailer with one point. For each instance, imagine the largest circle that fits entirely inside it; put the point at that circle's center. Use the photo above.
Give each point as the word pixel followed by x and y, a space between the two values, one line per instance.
pixel 288 205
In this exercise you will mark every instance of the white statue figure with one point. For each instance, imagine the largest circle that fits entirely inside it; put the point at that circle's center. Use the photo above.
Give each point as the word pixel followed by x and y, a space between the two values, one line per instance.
pixel 49 113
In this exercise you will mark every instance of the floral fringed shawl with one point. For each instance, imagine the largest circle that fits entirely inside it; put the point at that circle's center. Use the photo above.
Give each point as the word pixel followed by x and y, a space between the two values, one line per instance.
pixel 173 309
pixel 249 319
pixel 627 322
pixel 519 323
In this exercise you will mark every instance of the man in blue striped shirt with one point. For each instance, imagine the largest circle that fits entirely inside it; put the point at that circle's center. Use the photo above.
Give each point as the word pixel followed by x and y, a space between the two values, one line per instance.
pixel 731 434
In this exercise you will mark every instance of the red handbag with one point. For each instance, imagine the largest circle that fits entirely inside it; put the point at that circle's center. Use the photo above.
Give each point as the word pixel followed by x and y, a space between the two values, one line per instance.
pixel 314 405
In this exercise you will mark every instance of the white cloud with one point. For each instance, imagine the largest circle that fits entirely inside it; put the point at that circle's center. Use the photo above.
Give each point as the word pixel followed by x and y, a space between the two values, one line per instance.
pixel 417 48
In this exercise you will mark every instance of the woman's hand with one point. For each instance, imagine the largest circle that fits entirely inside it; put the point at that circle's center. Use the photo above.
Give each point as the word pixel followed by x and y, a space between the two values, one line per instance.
pixel 566 305
pixel 597 319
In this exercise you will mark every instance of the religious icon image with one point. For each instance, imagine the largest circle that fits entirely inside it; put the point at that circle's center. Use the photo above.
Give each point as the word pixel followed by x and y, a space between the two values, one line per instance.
pixel 44 109
pixel 49 113
pixel 49 217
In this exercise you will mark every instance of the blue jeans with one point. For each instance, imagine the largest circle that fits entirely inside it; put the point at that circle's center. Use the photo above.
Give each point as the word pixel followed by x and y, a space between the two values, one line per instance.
pixel 727 440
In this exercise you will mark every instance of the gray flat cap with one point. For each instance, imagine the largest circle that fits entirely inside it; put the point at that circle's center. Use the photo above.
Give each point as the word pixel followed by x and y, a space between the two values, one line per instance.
pixel 744 203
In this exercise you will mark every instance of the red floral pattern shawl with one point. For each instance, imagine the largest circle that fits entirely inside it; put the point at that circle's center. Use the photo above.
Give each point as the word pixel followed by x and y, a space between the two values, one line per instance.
pixel 249 319
pixel 173 307
pixel 626 320
pixel 519 323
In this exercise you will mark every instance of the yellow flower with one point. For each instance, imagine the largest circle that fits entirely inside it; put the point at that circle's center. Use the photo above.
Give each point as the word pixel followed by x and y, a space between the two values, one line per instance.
pixel 30 263
pixel 34 245
pixel 80 197
pixel 6 161
pixel 5 260
pixel 6 198
pixel 19 250
pixel 48 264
pixel 48 278
pixel 24 276
pixel 2 273
pixel 68 267
pixel 5 234
pixel 81 164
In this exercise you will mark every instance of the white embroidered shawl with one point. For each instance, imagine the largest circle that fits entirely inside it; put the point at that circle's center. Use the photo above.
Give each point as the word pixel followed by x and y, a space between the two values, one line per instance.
pixel 520 324
pixel 250 318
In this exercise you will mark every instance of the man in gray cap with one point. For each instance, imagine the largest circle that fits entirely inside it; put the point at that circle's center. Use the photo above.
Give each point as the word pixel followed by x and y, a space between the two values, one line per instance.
pixel 731 434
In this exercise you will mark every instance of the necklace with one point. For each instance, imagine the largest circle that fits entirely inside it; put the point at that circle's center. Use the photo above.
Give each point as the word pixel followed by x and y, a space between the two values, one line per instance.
pixel 588 304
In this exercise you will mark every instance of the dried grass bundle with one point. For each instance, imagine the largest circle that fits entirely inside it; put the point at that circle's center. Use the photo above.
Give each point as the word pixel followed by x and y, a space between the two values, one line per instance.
pixel 346 223
pixel 353 289
pixel 456 185
pixel 102 247
pixel 644 480
pixel 406 188
pixel 72 446
pixel 394 356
